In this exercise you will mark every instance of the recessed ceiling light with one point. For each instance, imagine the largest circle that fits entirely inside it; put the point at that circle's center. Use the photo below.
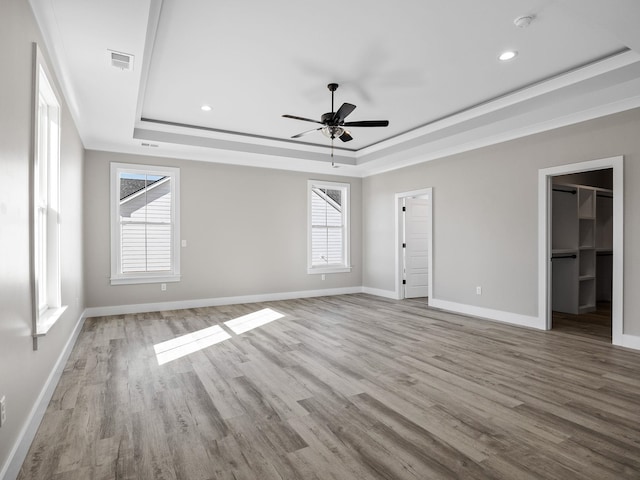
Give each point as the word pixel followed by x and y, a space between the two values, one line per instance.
pixel 508 55
pixel 205 108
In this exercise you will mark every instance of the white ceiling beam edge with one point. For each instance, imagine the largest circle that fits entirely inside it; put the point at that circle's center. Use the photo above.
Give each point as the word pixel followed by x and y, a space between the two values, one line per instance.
pixel 543 87
pixel 233 157
pixel 45 16
pixel 593 98
pixel 461 144
pixel 486 124
pixel 155 9
pixel 267 148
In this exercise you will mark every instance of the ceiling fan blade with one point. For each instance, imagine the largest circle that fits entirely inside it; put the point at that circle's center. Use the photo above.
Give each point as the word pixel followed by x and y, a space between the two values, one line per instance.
pixel 367 123
pixel 342 112
pixel 345 137
pixel 307 132
pixel 302 118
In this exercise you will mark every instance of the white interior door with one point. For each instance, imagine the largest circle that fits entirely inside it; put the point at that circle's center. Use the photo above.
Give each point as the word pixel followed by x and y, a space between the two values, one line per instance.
pixel 416 264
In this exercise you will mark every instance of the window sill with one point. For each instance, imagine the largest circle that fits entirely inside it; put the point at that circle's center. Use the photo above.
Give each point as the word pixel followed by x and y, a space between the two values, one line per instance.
pixel 133 280
pixel 335 269
pixel 47 320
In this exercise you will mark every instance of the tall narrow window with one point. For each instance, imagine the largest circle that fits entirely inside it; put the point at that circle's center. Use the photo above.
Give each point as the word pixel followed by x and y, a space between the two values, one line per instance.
pixel 45 248
pixel 328 227
pixel 145 233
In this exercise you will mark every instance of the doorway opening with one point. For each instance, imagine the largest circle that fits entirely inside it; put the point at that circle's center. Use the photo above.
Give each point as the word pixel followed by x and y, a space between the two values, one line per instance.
pixel 414 241
pixel 582 253
pixel 581 226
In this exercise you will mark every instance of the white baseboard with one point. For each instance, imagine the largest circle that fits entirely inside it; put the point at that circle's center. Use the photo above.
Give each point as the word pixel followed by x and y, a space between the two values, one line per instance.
pixel 497 315
pixel 215 302
pixel 380 293
pixel 28 432
pixel 630 341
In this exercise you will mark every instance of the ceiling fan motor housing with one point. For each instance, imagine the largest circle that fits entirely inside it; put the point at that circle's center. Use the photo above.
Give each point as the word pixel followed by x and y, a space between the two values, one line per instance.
pixel 326 118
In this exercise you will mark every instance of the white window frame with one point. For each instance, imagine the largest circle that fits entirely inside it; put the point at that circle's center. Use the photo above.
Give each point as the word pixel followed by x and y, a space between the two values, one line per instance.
pixel 345 266
pixel 117 276
pixel 46 283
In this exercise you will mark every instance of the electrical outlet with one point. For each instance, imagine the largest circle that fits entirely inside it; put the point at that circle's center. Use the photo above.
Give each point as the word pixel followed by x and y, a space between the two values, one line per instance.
pixel 163 287
pixel 3 410
pixel 323 276
pixel 478 290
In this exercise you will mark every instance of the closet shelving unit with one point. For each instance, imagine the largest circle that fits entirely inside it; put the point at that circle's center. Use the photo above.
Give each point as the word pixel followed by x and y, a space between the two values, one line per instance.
pixel 581 247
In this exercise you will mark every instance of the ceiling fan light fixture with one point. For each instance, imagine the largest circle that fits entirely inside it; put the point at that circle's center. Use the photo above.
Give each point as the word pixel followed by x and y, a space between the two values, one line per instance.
pixel 332 132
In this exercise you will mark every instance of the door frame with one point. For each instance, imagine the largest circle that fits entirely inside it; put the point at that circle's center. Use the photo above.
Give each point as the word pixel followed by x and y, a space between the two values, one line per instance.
pixel 399 223
pixel 544 239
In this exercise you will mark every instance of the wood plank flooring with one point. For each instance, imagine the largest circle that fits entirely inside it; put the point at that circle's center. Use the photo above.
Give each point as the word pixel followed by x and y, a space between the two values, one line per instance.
pixel 595 325
pixel 350 387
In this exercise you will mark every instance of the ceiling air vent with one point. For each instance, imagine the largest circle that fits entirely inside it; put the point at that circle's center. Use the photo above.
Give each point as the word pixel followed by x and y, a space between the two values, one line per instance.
pixel 120 60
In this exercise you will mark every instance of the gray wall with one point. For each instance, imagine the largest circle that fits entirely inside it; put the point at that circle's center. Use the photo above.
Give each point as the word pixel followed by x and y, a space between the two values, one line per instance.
pixel 23 372
pixel 485 215
pixel 246 233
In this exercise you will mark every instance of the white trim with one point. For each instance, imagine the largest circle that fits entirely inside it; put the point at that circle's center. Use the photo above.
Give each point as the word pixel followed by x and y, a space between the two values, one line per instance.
pixel 397 206
pixel 318 270
pixel 215 302
pixel 118 278
pixel 346 227
pixel 466 143
pixel 48 320
pixel 487 313
pixel 21 447
pixel 630 341
pixel 544 240
pixel 381 293
pixel 138 279
pixel 49 286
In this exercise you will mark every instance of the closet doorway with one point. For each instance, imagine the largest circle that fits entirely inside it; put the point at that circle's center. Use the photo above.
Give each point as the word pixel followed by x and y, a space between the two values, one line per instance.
pixel 582 253
pixel 414 232
pixel 581 233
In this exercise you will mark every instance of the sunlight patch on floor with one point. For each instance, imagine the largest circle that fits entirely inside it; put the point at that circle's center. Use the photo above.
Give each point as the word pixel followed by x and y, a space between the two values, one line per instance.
pixel 189 343
pixel 193 342
pixel 253 320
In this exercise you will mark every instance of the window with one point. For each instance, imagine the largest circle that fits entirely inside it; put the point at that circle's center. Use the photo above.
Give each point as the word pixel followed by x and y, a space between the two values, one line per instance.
pixel 328 227
pixel 145 227
pixel 45 246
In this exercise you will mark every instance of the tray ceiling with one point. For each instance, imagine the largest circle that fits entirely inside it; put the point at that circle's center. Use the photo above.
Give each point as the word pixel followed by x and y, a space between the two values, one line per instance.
pixel 430 68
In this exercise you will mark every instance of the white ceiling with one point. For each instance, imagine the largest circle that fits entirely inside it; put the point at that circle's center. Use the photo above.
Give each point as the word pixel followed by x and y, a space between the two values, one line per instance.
pixel 429 67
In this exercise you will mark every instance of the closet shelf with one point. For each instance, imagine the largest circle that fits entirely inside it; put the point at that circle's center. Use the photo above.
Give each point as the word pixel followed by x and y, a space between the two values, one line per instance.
pixel 559 251
pixel 580 225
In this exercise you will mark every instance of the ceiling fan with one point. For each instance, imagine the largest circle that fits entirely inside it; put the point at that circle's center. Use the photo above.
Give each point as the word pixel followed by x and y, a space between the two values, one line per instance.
pixel 333 124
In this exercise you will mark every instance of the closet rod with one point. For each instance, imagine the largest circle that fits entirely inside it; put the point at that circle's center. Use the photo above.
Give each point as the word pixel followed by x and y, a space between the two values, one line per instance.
pixel 572 192
pixel 604 253
pixel 555 257
pixel 605 195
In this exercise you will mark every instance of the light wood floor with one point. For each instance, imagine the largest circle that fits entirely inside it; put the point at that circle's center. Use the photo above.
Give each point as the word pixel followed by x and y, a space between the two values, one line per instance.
pixel 348 387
